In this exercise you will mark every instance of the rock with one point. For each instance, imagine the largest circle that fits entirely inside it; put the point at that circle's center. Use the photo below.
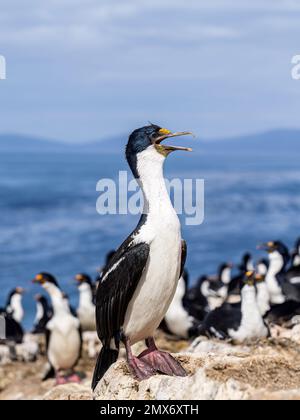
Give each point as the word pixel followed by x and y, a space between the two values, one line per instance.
pixel 217 371
pixel 69 392
pixel 262 370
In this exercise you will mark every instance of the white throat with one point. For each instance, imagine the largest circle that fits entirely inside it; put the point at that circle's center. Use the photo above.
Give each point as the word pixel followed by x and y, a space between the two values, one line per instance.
pixel 85 296
pixel 150 169
pixel 252 324
pixel 57 299
pixel 296 261
pixel 226 275
pixel 276 265
pixel 262 269
pixel 16 307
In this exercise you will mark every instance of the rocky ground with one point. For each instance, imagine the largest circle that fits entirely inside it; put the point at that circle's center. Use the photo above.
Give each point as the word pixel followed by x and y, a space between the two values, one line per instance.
pixel 263 370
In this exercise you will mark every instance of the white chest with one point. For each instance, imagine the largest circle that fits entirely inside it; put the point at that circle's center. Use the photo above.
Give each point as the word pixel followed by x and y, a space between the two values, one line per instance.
pixel 252 324
pixel 177 318
pixel 158 284
pixel 263 299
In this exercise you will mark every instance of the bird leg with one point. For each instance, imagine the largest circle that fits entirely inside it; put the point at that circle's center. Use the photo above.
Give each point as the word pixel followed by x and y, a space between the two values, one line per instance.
pixel 60 379
pixel 161 361
pixel 74 378
pixel 139 369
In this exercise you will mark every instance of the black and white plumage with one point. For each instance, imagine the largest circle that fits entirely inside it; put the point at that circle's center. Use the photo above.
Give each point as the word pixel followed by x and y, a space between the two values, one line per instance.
pixel 281 293
pixel 12 316
pixel 108 257
pixel 14 305
pixel 292 276
pixel 63 334
pixel 86 310
pixel 14 332
pixel 196 299
pixel 178 321
pixel 263 297
pixel 44 313
pixel 245 266
pixel 218 287
pixel 139 283
pixel 240 323
pixel 275 277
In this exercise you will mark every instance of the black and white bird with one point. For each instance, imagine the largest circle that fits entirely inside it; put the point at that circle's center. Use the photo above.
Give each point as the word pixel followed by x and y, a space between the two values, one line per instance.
pixel 63 334
pixel 196 299
pixel 292 275
pixel 139 283
pixel 14 306
pixel 275 277
pixel 217 287
pixel 44 313
pixel 263 297
pixel 108 257
pixel 178 321
pixel 86 310
pixel 239 323
pixel 245 266
pixel 283 301
pixel 12 330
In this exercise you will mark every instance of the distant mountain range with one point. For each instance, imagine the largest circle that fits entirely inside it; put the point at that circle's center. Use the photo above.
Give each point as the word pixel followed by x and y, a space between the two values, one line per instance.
pixel 277 142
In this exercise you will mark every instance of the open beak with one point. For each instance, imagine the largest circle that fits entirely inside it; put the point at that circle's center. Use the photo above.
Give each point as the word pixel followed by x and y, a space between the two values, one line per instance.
pixel 166 134
pixel 38 279
pixel 269 247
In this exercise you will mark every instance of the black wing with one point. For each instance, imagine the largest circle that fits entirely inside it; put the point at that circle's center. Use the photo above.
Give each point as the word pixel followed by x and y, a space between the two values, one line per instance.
pixel 183 256
pixel 117 286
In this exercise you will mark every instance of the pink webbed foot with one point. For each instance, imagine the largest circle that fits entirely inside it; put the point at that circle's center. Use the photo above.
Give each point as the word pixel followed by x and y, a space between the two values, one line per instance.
pixel 74 379
pixel 61 380
pixel 161 361
pixel 139 369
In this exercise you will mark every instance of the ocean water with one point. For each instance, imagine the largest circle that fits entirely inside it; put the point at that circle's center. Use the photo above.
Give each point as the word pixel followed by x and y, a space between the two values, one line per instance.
pixel 49 221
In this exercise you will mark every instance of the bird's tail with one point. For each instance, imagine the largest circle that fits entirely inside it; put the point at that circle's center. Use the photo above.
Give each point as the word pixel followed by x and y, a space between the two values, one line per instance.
pixel 105 359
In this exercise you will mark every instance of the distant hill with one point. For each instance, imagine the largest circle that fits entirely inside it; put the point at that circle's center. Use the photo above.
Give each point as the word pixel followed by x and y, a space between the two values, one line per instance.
pixel 277 142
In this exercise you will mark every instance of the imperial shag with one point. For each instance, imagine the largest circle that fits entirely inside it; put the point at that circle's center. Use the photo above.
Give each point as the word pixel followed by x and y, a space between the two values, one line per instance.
pixel 44 313
pixel 239 323
pixel 178 321
pixel 63 334
pixel 86 308
pixel 14 305
pixel 139 283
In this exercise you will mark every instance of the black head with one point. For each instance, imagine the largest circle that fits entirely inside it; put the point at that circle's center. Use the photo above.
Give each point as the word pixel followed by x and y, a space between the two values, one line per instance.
pixel 84 278
pixel 41 299
pixel 276 246
pixel 43 278
pixel 246 259
pixel 147 137
pixel 297 246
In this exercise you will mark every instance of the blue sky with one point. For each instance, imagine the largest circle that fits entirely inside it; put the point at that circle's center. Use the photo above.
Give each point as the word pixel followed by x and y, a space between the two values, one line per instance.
pixel 81 70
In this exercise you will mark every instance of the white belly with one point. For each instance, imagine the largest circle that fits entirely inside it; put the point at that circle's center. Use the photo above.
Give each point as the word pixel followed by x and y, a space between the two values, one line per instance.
pixel 177 318
pixel 64 344
pixel 157 287
pixel 252 324
pixel 276 296
pixel 87 318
